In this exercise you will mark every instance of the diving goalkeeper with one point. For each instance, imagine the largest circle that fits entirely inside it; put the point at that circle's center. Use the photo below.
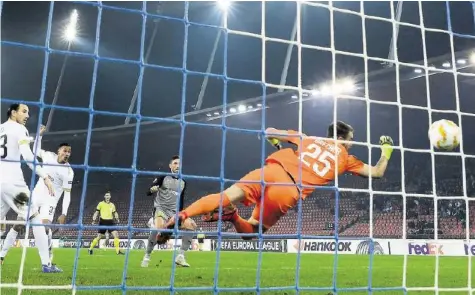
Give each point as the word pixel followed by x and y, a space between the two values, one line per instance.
pixel 312 164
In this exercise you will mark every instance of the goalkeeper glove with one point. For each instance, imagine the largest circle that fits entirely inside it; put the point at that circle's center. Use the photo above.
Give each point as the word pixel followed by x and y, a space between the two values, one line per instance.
pixel 275 143
pixel 386 143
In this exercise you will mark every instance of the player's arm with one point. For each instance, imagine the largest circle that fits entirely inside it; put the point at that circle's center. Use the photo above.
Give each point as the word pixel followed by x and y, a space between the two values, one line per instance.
pixel 157 182
pixel 275 136
pixel 27 154
pixel 37 145
pixel 66 197
pixel 181 202
pixel 96 214
pixel 115 214
pixel 379 169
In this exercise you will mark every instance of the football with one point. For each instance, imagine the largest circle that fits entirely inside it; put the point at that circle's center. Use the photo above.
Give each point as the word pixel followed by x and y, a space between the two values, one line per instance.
pixel 444 135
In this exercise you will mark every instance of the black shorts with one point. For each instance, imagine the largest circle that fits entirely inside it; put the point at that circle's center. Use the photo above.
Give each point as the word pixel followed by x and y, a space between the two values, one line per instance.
pixel 108 222
pixel 201 240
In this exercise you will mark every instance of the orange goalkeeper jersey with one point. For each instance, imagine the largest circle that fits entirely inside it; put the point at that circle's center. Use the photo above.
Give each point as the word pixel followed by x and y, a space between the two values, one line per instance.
pixel 314 161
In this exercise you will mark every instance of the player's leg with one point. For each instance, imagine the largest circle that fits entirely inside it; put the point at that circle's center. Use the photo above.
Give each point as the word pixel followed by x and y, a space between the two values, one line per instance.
pixel 8 195
pixel 3 233
pixel 95 242
pixel 106 243
pixel 201 241
pixel 115 234
pixel 186 241
pixel 159 222
pixel 41 242
pixel 46 215
pixel 277 199
pixel 230 197
pixel 8 240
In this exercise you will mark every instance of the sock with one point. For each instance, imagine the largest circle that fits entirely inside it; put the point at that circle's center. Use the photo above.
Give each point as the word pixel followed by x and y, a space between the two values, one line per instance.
pixel 242 225
pixel 9 241
pixel 116 245
pixel 50 239
pixel 94 243
pixel 206 205
pixel 186 241
pixel 200 246
pixel 41 242
pixel 152 240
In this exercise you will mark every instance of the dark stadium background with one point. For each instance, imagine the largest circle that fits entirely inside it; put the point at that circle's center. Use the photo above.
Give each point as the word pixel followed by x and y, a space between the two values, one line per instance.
pixel 162 95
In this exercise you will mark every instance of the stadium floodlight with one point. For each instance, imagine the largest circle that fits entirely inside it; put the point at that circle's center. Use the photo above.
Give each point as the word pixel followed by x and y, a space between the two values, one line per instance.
pixel 216 113
pixel 71 30
pixel 250 107
pixel 326 90
pixel 461 61
pixel 472 58
pixel 69 35
pixel 347 85
pixel 224 4
pixel 418 71
pixel 446 65
pixel 259 105
pixel 208 115
pixel 232 110
pixel 315 92
pixel 241 108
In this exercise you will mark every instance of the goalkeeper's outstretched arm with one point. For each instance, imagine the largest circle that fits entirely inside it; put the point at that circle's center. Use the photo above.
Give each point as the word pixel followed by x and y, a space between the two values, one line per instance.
pixel 379 169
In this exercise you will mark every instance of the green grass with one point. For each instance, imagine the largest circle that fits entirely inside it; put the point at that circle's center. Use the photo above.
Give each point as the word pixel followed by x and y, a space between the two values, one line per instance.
pixel 236 269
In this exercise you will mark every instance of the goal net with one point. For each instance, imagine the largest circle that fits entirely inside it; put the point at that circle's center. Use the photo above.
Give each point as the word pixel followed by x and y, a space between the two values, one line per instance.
pixel 129 85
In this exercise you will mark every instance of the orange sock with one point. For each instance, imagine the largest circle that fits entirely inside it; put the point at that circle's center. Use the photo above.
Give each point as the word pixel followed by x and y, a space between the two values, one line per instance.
pixel 206 205
pixel 242 225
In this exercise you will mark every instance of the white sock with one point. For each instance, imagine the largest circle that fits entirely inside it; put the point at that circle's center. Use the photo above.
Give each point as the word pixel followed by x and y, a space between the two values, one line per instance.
pixel 41 241
pixel 9 241
pixel 50 238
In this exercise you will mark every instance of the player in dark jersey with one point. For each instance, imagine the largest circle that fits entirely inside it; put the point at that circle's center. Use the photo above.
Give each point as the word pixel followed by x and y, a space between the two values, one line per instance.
pixel 169 193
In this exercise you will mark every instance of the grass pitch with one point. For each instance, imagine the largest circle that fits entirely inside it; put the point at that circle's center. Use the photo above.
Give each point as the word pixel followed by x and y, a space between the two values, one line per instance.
pixel 236 269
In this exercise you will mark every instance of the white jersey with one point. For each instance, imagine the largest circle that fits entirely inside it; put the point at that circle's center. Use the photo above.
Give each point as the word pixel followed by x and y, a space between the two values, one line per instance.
pixel 12 135
pixel 61 176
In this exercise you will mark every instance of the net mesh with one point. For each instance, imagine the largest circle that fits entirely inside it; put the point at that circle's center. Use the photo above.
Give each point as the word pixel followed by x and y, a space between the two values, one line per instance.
pixel 302 92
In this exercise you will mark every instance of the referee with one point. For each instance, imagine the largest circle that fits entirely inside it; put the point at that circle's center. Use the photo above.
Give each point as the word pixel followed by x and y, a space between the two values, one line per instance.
pixel 106 212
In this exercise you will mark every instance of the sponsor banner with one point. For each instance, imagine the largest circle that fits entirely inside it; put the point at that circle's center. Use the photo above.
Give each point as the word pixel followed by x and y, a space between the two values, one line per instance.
pixel 142 244
pixel 73 243
pixel 31 243
pixel 250 245
pixel 378 247
pixel 432 247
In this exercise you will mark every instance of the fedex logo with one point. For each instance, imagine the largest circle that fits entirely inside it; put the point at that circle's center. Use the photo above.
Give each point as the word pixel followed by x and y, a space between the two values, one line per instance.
pixel 469 249
pixel 425 249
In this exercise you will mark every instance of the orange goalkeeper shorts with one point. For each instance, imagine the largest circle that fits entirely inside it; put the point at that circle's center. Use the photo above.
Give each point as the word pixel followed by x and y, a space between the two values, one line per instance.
pixel 280 193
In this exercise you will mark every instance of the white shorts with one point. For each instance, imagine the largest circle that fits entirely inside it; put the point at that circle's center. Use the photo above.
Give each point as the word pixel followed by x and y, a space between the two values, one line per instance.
pixel 47 211
pixel 45 204
pixel 8 194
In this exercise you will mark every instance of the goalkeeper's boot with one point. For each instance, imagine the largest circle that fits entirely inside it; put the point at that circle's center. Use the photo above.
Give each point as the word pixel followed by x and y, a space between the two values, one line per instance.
pixel 228 214
pixel 181 261
pixel 2 260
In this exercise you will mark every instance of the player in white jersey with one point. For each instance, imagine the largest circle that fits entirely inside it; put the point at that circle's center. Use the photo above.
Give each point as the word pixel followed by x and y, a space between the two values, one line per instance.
pixel 15 195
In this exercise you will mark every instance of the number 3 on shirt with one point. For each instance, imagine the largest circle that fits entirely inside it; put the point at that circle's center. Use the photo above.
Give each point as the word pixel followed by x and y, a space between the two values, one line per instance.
pixel 319 157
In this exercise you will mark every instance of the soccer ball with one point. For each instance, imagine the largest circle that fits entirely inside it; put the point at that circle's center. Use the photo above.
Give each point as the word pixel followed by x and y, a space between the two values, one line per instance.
pixel 444 135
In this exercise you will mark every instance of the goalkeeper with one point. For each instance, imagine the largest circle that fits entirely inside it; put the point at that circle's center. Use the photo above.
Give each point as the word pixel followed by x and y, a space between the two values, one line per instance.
pixel 314 163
